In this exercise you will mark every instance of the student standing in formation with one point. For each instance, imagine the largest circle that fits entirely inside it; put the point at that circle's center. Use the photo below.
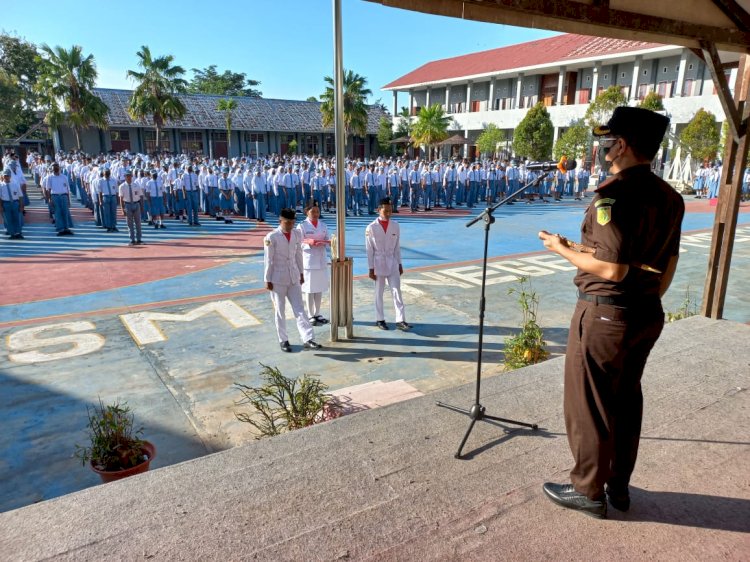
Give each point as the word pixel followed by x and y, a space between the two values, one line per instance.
pixel 283 276
pixel 57 192
pixel 190 189
pixel 226 196
pixel 314 241
pixel 107 194
pixel 383 243
pixel 130 197
pixel 156 198
pixel 11 205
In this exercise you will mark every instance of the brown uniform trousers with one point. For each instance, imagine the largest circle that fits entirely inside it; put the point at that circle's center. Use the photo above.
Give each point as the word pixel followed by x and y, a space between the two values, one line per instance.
pixel 607 351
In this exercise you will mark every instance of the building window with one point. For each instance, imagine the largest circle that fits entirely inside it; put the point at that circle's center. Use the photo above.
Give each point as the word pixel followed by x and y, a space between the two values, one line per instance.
pixel 661 89
pixel 665 70
pixel 690 66
pixel 191 141
pixel 687 88
pixel 588 79
pixel 310 144
pixel 120 139
pixel 642 91
pixel 255 137
pixel 149 141
pixel 606 76
pixel 645 72
pixel 220 136
pixel 622 75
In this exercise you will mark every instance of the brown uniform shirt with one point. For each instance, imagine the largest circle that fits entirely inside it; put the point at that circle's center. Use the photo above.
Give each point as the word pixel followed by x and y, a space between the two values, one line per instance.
pixel 634 218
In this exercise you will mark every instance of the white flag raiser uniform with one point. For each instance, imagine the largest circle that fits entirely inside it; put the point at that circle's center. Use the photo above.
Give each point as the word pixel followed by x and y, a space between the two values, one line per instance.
pixel 384 256
pixel 282 267
pixel 314 264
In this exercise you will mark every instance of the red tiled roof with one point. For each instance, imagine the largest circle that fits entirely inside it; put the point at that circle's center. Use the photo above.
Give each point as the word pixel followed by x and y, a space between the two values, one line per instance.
pixel 559 48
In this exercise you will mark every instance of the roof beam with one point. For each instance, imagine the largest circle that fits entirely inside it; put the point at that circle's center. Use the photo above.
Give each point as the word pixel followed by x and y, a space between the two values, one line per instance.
pixel 711 56
pixel 595 18
pixel 734 12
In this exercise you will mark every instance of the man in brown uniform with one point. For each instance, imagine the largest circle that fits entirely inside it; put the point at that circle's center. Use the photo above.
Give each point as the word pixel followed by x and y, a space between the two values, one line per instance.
pixel 626 260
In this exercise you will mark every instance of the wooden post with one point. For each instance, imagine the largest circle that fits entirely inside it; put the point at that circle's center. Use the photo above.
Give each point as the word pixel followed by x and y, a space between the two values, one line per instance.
pixel 737 111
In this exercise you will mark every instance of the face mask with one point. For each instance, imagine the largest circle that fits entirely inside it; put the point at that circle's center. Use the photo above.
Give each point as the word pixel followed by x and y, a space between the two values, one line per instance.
pixel 601 156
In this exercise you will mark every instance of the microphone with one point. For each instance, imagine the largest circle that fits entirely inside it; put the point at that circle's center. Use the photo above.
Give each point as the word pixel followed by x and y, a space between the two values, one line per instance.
pixel 563 165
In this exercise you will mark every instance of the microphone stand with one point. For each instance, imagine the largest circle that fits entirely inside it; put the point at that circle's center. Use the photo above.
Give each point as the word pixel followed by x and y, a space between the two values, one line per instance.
pixel 477 412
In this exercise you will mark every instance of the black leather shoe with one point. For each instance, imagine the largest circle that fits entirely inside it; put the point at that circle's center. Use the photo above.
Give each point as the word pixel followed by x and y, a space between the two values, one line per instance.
pixel 285 346
pixel 403 326
pixel 566 495
pixel 382 325
pixel 619 498
pixel 312 344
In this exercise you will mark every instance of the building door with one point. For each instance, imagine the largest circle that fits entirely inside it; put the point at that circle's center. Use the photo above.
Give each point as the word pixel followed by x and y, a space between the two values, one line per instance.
pixel 358 147
pixel 220 149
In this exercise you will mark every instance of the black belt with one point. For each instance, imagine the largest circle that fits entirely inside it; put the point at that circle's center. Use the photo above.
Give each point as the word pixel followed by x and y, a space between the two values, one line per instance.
pixel 598 299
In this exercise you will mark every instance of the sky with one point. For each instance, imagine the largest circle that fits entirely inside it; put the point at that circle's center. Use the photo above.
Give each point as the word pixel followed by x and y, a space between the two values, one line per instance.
pixel 286 45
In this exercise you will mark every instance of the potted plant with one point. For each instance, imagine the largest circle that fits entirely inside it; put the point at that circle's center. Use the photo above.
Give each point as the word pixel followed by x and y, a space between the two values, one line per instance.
pixel 115 450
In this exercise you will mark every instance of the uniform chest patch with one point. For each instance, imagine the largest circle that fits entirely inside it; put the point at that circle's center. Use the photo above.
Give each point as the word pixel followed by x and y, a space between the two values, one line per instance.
pixel 604 211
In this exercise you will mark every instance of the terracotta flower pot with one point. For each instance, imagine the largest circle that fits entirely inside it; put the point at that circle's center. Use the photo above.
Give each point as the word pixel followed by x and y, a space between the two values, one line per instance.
pixel 111 475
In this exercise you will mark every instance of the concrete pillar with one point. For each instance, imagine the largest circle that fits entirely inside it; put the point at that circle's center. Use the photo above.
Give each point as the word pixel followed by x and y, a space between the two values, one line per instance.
pixel 427 97
pixel 636 73
pixel 468 97
pixel 681 74
pixel 411 102
pixel 395 103
pixel 491 100
pixel 595 80
pixel 447 98
pixel 519 86
pixel 560 85
pixel 555 135
pixel 466 146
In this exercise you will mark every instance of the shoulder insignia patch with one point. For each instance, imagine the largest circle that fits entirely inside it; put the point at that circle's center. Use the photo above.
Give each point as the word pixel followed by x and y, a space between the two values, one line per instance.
pixel 604 210
pixel 267 242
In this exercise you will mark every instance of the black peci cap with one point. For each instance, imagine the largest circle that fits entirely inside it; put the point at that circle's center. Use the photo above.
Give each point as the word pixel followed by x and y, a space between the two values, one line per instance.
pixel 642 128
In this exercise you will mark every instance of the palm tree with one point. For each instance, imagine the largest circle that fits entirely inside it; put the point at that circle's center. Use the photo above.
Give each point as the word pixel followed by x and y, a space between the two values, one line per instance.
pixel 431 126
pixel 227 105
pixel 65 84
pixel 155 94
pixel 355 108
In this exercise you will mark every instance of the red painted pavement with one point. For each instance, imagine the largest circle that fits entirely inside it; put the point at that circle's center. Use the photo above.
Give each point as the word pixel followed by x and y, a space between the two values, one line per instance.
pixel 86 271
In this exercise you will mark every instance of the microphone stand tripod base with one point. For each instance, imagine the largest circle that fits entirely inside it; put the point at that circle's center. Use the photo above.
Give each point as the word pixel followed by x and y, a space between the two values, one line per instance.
pixel 477 413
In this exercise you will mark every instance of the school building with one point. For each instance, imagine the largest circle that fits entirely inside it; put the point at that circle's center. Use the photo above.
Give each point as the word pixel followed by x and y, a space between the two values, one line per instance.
pixel 259 126
pixel 565 72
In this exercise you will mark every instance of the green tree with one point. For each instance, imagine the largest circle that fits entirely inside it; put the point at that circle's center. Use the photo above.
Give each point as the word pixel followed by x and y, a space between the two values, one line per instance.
pixel 600 110
pixel 652 101
pixel 431 126
pixel 700 137
pixel 311 98
pixel 65 87
pixel 157 89
pixel 403 128
pixel 385 135
pixel 574 142
pixel 489 139
pixel 19 71
pixel 228 106
pixel 534 134
pixel 228 83
pixel 355 106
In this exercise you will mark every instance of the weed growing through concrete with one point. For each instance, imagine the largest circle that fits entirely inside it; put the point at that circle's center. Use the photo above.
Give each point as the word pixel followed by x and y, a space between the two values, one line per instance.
pixel 688 308
pixel 282 404
pixel 526 347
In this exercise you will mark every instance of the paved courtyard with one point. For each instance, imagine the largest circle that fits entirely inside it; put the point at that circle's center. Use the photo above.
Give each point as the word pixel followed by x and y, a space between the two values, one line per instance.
pixel 172 325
